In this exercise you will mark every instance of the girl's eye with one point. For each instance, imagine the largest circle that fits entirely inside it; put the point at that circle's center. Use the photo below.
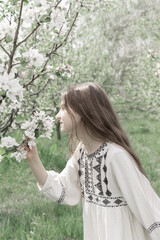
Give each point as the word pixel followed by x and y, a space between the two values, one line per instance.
pixel 62 107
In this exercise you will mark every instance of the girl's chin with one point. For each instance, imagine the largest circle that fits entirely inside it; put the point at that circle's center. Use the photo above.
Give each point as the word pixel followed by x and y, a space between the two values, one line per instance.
pixel 65 131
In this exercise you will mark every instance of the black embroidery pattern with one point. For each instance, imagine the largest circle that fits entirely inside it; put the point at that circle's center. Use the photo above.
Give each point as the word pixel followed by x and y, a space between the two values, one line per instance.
pixel 93 179
pixel 97 152
pixel 98 169
pixel 81 171
pixel 105 201
pixel 153 226
pixel 108 193
pixel 63 195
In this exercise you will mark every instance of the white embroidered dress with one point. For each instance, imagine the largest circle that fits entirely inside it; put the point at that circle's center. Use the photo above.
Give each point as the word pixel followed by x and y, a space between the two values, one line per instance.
pixel 118 200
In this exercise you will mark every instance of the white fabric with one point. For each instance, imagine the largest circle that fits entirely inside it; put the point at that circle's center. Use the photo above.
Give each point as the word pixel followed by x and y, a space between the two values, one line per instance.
pixel 118 200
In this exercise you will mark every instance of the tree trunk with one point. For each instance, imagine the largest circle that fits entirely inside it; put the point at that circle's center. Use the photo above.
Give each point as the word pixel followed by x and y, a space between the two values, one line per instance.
pixel 58 131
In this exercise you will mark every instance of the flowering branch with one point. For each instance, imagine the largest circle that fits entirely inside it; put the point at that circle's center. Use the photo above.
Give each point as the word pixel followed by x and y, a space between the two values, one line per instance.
pixel 37 93
pixel 75 18
pixel 33 79
pixel 15 39
pixel 24 40
pixel 54 49
pixel 58 46
pixel 9 122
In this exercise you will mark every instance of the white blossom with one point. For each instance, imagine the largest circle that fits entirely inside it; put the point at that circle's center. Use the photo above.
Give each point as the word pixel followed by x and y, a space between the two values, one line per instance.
pixel 7 28
pixel 19 155
pixel 57 18
pixel 34 10
pixel 29 15
pixel 65 4
pixel 0 158
pixel 39 115
pixel 14 126
pixel 12 86
pixel 4 83
pixel 31 143
pixel 40 121
pixel 30 134
pixel 34 57
pixel 14 105
pixel 8 142
pixel 3 106
pixel 29 125
pixel 3 59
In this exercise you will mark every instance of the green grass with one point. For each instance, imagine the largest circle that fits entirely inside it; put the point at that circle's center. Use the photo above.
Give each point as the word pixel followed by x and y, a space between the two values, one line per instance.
pixel 25 214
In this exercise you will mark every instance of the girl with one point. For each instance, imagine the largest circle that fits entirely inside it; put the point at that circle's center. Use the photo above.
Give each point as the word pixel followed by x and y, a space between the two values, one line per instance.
pixel 104 171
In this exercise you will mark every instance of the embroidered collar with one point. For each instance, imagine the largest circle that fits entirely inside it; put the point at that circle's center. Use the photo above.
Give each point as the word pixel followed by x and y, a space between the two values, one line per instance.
pixel 97 152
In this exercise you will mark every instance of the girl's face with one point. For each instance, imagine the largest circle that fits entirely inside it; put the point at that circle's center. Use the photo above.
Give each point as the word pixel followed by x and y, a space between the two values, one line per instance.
pixel 66 122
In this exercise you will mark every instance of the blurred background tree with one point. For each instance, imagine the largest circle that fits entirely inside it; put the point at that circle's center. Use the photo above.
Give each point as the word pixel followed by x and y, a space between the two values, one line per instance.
pixel 118 47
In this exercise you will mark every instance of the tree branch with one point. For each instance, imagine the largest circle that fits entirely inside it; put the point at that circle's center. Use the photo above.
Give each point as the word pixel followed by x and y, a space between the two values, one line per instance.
pixel 75 18
pixel 38 24
pixel 15 38
pixel 57 4
pixel 2 39
pixel 58 46
pixel 5 51
pixel 36 93
pixel 9 122
pixel 14 64
pixel 33 79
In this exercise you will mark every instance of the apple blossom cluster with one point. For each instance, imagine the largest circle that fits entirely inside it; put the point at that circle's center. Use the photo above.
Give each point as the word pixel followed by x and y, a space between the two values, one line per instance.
pixel 40 126
pixel 65 71
pixel 34 57
pixel 7 29
pixel 10 90
pixel 43 9
pixel 8 142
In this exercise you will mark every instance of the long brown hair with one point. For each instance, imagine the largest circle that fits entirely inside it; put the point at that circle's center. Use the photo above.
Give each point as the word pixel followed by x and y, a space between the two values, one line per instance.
pixel 100 121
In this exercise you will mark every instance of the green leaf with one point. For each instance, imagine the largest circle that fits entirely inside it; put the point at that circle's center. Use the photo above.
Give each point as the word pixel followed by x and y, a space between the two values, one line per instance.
pixel 26 1
pixel 14 1
pixel 2 93
pixel 24 63
pixel 57 74
pixel 29 73
pixel 55 31
pixel 45 18
pixel 37 133
pixel 8 39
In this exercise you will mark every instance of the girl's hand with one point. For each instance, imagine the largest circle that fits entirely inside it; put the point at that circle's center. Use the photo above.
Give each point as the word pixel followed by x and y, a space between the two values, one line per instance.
pixel 32 154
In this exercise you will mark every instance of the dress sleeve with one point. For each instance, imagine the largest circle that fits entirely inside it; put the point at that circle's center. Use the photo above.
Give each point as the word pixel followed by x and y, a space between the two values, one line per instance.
pixel 138 192
pixel 64 187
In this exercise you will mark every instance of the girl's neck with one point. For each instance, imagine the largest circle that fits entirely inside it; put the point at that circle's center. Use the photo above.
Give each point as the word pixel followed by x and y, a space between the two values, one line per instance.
pixel 90 144
pixel 91 147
